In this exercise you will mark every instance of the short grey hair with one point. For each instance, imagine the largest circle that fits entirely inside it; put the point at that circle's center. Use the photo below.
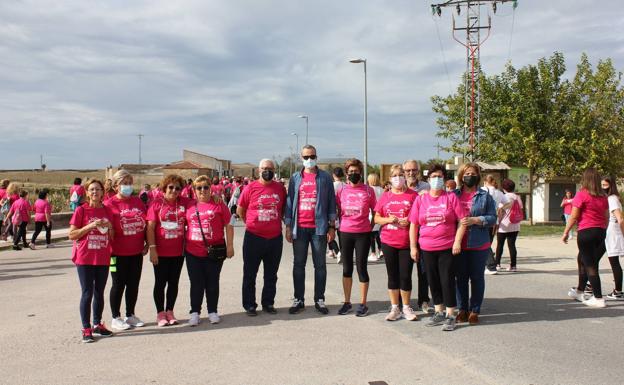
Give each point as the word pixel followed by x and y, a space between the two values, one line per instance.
pixel 308 147
pixel 266 160
pixel 412 161
pixel 120 175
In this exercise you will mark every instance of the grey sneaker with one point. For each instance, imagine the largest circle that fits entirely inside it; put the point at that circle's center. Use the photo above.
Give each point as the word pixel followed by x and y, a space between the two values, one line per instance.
pixel 449 324
pixel 436 320
pixel 362 310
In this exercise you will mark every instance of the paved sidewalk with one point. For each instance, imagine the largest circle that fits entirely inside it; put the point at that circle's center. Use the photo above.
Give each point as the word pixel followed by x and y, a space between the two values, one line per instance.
pixel 531 333
pixel 57 236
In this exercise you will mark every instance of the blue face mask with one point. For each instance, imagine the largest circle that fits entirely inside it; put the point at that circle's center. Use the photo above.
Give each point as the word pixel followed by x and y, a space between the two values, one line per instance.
pixel 309 163
pixel 436 183
pixel 126 190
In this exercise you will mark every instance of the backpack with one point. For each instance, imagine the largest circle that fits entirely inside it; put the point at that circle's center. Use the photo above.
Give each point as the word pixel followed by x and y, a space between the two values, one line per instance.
pixel 74 197
pixel 515 213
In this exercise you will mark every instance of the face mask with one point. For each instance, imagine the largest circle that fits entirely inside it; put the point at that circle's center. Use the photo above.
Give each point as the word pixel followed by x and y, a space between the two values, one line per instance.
pixel 436 183
pixel 268 175
pixel 354 178
pixel 606 190
pixel 397 181
pixel 126 190
pixel 309 163
pixel 470 180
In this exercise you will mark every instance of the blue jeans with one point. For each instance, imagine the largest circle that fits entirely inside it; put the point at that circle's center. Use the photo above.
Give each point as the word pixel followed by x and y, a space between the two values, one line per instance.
pixel 307 237
pixel 258 250
pixel 470 265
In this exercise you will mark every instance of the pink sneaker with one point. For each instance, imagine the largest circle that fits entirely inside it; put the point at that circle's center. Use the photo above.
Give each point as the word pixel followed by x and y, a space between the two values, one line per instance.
pixel 171 318
pixel 161 319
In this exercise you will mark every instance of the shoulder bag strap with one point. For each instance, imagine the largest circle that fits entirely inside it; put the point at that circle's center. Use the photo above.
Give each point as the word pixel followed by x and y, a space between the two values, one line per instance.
pixel 201 228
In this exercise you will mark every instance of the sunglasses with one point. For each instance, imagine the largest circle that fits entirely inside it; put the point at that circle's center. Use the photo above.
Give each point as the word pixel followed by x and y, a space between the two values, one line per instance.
pixel 306 157
pixel 202 188
pixel 172 188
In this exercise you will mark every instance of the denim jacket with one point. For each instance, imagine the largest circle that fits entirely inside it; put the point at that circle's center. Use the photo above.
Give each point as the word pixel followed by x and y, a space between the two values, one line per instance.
pixel 484 207
pixel 325 210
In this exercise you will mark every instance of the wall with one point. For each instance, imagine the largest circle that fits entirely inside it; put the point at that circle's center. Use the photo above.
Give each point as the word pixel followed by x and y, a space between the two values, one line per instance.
pixel 540 201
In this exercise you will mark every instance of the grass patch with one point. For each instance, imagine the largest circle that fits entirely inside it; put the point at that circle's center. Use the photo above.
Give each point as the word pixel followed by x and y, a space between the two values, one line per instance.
pixel 541 230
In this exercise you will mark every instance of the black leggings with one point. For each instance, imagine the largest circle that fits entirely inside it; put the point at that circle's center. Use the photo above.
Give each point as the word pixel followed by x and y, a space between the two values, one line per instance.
pixel 204 275
pixel 511 244
pixel 441 276
pixel 19 232
pixel 167 274
pixel 375 241
pixel 591 245
pixel 38 227
pixel 617 272
pixel 92 282
pixel 126 274
pixel 399 265
pixel 358 242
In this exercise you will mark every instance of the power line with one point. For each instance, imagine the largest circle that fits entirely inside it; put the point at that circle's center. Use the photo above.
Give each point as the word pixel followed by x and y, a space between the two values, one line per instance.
pixel 448 77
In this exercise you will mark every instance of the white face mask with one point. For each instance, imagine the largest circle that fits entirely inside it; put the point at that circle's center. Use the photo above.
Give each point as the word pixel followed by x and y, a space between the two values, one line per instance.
pixel 436 183
pixel 397 181
pixel 309 163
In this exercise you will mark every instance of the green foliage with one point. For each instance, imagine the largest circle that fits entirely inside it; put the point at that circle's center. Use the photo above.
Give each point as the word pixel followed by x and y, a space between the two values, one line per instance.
pixel 534 117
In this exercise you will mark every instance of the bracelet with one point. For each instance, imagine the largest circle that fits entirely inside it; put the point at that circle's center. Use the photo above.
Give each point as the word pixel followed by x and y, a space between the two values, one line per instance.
pixel 150 246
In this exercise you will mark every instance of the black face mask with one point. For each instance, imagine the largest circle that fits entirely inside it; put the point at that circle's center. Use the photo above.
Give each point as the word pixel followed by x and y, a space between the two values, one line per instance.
pixel 268 175
pixel 606 190
pixel 354 178
pixel 470 180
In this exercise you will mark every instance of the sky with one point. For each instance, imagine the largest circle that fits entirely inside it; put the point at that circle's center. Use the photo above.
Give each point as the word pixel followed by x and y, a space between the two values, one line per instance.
pixel 79 80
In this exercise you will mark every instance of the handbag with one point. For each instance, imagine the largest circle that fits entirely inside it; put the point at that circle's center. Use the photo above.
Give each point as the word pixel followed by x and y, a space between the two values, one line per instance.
pixel 215 252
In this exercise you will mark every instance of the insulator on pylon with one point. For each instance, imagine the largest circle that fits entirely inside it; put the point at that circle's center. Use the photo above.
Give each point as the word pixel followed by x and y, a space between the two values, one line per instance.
pixel 494 6
pixel 439 10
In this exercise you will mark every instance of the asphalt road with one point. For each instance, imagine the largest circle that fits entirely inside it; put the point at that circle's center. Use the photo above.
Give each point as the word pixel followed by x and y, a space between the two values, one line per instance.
pixel 530 333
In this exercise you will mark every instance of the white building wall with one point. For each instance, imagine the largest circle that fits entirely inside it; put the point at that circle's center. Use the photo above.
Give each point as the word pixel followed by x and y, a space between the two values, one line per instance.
pixel 540 201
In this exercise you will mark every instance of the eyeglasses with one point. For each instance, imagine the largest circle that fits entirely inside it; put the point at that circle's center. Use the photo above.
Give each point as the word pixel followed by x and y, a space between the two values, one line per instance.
pixel 353 172
pixel 202 188
pixel 306 157
pixel 413 170
pixel 267 169
pixel 92 190
pixel 176 188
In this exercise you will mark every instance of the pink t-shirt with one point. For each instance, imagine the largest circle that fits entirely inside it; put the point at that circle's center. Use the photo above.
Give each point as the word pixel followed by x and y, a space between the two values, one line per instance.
pixel 42 207
pixel 355 204
pixel 80 191
pixel 307 201
pixel 21 211
pixel 169 240
pixel 187 191
pixel 465 201
pixel 217 189
pixel 593 210
pixel 129 222
pixel 398 205
pixel 2 193
pixel 108 195
pixel 265 208
pixel 214 217
pixel 437 218
pixel 567 205
pixel 94 248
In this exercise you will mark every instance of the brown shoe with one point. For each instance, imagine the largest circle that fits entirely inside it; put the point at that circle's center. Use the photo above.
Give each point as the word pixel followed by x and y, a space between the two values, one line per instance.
pixel 462 316
pixel 473 318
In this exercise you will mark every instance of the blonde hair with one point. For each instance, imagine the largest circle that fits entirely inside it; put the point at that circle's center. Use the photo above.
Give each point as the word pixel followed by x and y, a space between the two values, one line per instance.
pixel 373 180
pixel 119 176
pixel 396 167
pixel 462 171
pixel 204 179
pixel 12 188
pixel 108 185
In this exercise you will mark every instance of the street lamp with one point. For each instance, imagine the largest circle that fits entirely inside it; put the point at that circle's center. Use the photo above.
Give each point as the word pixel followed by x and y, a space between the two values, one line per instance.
pixel 294 156
pixel 306 117
pixel 358 61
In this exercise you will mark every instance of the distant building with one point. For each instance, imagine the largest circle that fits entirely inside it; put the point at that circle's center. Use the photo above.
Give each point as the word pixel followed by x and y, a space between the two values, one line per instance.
pixel 247 170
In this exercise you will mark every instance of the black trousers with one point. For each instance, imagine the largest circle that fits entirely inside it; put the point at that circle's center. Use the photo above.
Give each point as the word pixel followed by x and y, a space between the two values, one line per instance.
pixel 358 243
pixel 399 265
pixel 375 241
pixel 511 244
pixel 126 274
pixel 204 275
pixel 256 251
pixel 591 245
pixel 92 282
pixel 441 275
pixel 19 232
pixel 167 275
pixel 38 227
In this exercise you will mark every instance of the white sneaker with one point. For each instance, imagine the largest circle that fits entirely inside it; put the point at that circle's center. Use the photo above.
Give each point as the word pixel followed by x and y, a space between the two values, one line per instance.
pixel 339 257
pixel 409 314
pixel 134 321
pixel 426 308
pixel 119 324
pixel 214 318
pixel 194 320
pixel 49 246
pixel 394 314
pixel 32 246
pixel 490 272
pixel 595 302
pixel 577 295
pixel 373 257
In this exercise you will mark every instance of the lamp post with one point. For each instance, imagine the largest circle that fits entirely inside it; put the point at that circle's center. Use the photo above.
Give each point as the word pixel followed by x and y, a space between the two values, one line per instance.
pixel 358 61
pixel 306 117
pixel 297 148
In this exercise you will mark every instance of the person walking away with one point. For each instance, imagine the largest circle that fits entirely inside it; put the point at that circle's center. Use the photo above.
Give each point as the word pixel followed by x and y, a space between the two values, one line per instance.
pixel 509 227
pixel 501 202
pixel 615 240
pixel 590 208
pixel 76 194
pixel 19 215
pixel 43 219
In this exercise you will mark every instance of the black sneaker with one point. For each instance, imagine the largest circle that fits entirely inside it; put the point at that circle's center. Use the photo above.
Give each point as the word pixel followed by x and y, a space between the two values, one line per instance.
pixel 616 295
pixel 17 247
pixel 269 309
pixel 251 312
pixel 320 306
pixel 102 331
pixel 87 335
pixel 436 320
pixel 296 307
pixel 345 308
pixel 362 310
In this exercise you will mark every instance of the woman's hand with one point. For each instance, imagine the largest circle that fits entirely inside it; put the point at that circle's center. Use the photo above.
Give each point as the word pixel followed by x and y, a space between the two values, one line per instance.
pixel 153 255
pixel 230 251
pixel 456 248
pixel 414 253
pixel 566 235
pixel 469 221
pixel 403 222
